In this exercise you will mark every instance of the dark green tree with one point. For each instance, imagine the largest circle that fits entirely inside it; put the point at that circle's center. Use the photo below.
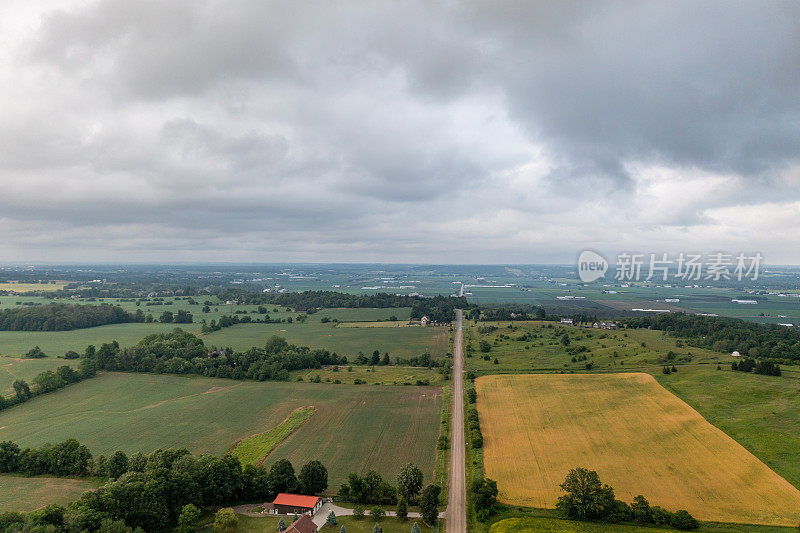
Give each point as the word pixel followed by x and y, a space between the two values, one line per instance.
pixel 587 498
pixel 429 504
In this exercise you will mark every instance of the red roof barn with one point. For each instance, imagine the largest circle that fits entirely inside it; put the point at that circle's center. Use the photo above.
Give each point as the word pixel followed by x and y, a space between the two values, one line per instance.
pixel 296 504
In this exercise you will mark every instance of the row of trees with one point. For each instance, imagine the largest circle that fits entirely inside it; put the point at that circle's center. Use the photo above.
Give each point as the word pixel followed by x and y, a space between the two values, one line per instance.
pixel 727 334
pixel 47 381
pixel 587 498
pixel 153 492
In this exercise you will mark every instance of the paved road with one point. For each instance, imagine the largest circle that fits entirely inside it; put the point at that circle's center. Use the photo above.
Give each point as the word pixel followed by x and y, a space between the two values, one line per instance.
pixel 456 513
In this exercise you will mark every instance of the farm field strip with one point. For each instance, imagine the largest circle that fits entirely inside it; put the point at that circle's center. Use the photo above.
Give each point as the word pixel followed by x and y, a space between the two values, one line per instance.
pixel 254 450
pixel 640 438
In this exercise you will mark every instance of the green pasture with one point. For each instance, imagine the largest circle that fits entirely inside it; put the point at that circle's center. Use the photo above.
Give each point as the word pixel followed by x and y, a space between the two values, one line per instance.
pixel 28 493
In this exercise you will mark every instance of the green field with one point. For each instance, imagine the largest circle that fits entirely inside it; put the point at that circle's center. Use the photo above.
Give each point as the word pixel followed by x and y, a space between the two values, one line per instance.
pixel 762 413
pixel 12 368
pixel 618 350
pixel 355 428
pixel 29 493
pixel 399 342
pixel 542 524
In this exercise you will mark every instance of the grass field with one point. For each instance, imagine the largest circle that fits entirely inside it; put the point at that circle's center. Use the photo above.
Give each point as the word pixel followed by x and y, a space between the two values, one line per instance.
pixel 554 525
pixel 537 345
pixel 12 368
pixel 399 342
pixel 253 450
pixel 56 343
pixel 355 428
pixel 761 412
pixel 640 438
pixel 29 493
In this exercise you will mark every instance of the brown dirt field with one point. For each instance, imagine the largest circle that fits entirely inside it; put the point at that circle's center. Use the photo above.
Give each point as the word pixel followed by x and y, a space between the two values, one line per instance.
pixel 640 438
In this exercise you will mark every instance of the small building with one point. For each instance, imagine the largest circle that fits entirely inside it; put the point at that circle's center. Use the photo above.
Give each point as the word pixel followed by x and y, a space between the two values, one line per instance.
pixel 296 504
pixel 424 321
pixel 736 354
pixel 302 525
pixel 604 325
pixel 567 321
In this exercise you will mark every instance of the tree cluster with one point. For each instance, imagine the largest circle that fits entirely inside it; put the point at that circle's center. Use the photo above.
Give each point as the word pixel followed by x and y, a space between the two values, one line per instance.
pixel 63 317
pixel 152 492
pixel 761 366
pixel 180 352
pixel 587 498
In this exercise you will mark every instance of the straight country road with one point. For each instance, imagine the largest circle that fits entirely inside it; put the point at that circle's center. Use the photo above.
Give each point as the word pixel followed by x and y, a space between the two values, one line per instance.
pixel 456 513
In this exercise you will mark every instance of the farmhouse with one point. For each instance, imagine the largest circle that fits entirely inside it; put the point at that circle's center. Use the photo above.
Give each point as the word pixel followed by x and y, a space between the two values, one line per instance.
pixel 302 525
pixel 567 321
pixel 296 504
pixel 424 321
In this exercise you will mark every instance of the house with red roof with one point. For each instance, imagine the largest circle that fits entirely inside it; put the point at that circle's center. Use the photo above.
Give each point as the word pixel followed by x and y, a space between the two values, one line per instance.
pixel 296 504
pixel 302 525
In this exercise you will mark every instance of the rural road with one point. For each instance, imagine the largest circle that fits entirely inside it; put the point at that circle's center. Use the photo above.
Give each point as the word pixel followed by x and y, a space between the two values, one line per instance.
pixel 456 514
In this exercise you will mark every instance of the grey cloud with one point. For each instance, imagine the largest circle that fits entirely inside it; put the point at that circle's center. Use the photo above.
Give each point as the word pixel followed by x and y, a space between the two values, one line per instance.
pixel 343 126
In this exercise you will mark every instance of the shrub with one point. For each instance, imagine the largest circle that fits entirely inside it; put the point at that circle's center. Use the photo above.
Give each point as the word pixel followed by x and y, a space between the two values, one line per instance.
pixel 225 520
pixel 683 521
pixel 377 512
pixel 358 512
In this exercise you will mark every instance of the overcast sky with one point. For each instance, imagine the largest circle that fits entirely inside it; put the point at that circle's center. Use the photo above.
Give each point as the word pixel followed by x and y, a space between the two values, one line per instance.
pixel 458 132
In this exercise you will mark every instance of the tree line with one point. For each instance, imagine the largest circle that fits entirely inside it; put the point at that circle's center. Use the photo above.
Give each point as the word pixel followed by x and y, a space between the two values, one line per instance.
pixel 150 492
pixel 723 334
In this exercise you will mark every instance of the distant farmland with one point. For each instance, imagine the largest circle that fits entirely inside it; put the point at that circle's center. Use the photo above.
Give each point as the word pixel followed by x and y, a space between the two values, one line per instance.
pixel 355 428
pixel 12 369
pixel 640 438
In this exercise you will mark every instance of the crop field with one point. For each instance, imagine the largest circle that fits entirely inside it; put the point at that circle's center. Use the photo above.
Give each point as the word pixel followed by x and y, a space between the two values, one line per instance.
pixel 12 369
pixel 638 437
pixel 26 494
pixel 538 346
pixel 399 342
pixel 373 375
pixel 355 427
pixel 761 412
pixel 31 287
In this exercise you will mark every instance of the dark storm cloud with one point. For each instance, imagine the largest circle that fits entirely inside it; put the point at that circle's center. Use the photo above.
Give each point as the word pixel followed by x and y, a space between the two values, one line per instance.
pixel 342 128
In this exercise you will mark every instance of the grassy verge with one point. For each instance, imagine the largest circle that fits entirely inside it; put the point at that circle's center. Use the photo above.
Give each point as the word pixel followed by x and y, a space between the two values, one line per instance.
pixel 442 468
pixel 253 450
